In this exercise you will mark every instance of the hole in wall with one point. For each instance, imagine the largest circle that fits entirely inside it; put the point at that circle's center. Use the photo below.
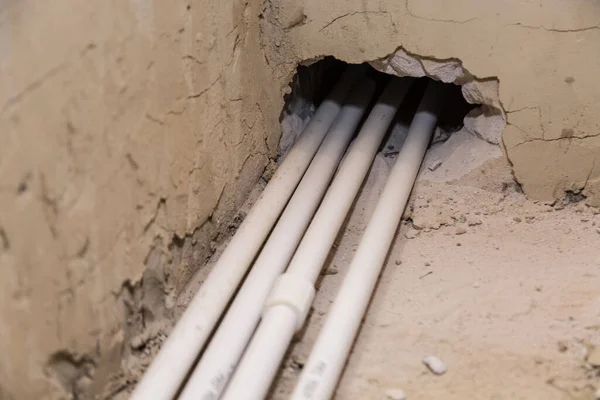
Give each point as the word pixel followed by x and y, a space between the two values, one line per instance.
pixel 469 128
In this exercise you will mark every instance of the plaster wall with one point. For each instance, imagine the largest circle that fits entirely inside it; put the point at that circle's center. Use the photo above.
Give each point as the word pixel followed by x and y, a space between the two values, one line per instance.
pixel 131 131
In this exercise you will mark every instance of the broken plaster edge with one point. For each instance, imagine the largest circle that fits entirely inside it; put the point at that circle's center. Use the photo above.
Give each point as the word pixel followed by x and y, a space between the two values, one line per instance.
pixel 487 121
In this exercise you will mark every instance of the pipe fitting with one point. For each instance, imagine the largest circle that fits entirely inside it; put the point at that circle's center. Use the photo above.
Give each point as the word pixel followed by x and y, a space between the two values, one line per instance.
pixel 295 292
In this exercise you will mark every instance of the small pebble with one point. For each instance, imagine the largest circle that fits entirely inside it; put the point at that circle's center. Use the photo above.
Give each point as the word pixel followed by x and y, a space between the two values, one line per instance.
pixel 332 270
pixel 597 394
pixel 562 346
pixel 139 341
pixel 435 165
pixel 461 230
pixel 458 244
pixel 398 262
pixel 427 264
pixel 476 285
pixel 593 357
pixel 517 219
pixel 411 234
pixel 395 394
pixel 435 365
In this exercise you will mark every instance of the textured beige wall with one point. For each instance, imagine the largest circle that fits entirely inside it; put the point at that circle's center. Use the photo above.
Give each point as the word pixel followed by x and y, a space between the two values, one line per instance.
pixel 122 125
pixel 544 54
pixel 130 131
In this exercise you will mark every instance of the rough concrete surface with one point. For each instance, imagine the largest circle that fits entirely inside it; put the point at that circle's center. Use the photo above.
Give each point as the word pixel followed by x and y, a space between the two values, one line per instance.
pixel 542 54
pixel 501 288
pixel 131 132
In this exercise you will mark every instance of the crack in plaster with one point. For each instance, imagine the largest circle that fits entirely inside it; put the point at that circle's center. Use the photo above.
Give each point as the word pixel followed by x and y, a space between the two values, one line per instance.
pixel 409 11
pixel 539 110
pixel 551 140
pixel 327 25
pixel 589 174
pixel 192 58
pixel 204 91
pixel 32 87
pixel 589 28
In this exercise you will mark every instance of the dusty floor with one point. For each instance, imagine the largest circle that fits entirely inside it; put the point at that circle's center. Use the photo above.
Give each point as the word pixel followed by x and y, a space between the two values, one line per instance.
pixel 502 289
pixel 511 305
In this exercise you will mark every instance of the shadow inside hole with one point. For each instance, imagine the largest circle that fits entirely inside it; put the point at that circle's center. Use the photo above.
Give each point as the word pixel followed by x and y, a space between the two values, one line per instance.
pixel 312 83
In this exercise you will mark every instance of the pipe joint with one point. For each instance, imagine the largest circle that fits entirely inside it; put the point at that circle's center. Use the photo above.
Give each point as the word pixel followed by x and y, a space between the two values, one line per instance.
pixel 294 291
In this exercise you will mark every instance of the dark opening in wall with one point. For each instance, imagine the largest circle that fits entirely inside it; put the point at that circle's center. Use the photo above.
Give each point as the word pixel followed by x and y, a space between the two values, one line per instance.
pixel 312 83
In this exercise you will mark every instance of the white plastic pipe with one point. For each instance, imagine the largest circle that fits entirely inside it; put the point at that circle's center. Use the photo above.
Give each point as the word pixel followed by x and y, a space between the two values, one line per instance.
pixel 283 314
pixel 226 347
pixel 327 359
pixel 179 352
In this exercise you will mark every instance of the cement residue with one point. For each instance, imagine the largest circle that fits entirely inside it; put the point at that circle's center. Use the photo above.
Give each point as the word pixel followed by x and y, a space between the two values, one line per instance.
pixel 150 134
pixel 486 121
pixel 293 121
pixel 475 276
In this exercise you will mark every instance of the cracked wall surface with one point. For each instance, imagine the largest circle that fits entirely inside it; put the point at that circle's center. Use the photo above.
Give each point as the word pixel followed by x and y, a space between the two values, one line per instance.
pixel 130 132
pixel 544 55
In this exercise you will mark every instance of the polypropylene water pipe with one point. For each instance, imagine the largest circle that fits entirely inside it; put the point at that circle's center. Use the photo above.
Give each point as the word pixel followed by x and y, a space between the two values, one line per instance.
pixel 324 366
pixel 284 313
pixel 230 340
pixel 179 352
